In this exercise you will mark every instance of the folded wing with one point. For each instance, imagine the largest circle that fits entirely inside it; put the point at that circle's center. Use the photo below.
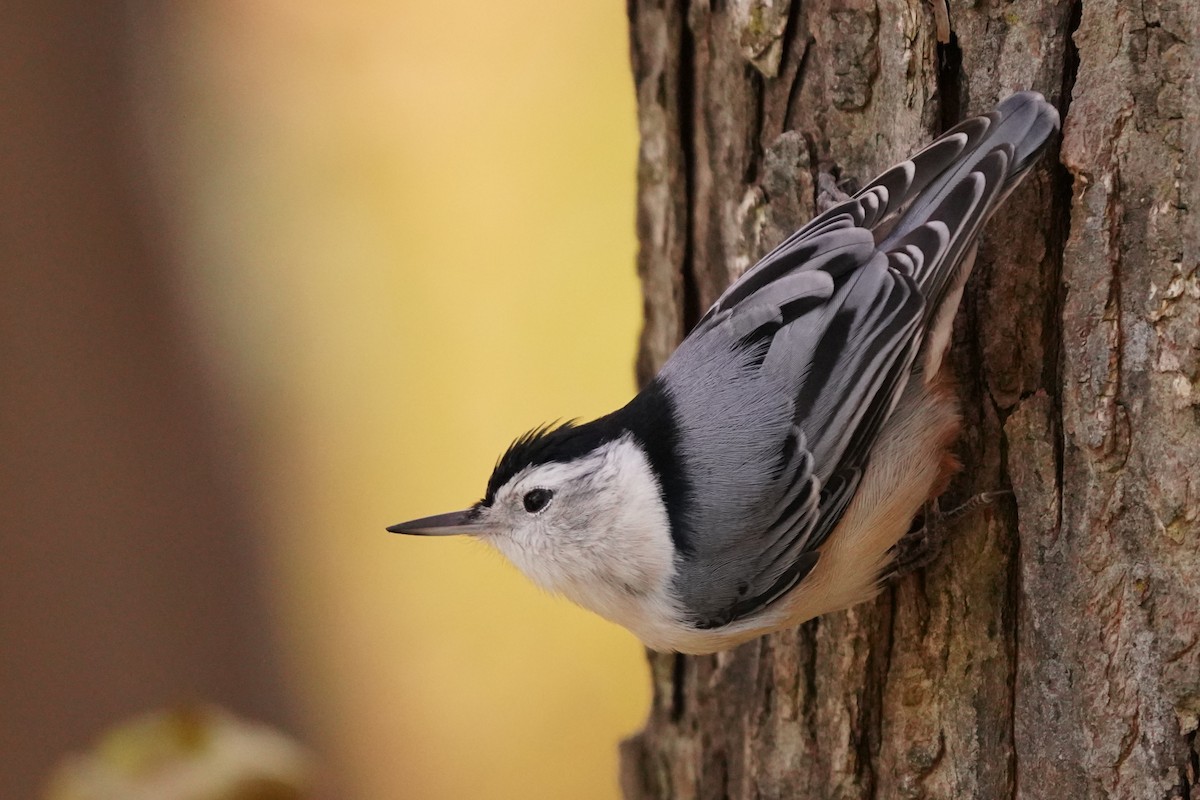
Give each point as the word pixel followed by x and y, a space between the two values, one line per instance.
pixel 832 320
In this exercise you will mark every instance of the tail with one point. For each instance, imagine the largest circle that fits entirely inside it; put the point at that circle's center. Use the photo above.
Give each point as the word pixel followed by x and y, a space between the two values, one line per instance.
pixel 926 213
pixel 932 206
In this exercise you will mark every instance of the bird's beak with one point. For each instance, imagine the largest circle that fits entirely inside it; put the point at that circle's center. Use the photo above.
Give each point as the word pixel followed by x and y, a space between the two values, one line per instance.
pixel 452 524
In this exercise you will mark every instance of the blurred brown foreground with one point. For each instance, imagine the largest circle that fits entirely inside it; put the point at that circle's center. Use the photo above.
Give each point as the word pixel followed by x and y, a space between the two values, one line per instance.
pixel 127 577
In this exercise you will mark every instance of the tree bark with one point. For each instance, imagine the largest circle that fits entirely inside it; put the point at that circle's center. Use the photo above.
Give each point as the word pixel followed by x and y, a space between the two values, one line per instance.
pixel 1053 650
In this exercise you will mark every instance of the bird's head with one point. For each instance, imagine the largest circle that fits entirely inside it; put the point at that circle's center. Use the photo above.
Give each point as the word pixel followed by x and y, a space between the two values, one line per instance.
pixel 577 508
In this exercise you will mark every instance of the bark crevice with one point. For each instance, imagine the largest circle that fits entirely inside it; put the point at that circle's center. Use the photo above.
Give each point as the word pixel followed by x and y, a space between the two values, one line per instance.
pixel 687 136
pixel 950 80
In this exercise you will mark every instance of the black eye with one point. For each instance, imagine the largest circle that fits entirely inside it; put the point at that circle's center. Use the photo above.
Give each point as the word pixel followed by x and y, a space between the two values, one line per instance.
pixel 536 499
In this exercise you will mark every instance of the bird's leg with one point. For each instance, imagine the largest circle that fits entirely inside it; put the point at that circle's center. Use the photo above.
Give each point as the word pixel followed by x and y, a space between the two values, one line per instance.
pixel 923 543
pixel 832 189
pixel 978 501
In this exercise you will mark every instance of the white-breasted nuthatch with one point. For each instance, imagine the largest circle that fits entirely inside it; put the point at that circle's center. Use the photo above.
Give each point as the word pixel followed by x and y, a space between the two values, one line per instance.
pixel 766 473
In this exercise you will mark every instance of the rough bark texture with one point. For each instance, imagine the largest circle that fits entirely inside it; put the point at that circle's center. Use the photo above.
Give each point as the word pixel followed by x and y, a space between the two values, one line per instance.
pixel 1054 648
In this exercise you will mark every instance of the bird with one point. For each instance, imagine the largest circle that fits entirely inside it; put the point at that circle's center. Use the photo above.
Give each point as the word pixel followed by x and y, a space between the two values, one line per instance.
pixel 766 474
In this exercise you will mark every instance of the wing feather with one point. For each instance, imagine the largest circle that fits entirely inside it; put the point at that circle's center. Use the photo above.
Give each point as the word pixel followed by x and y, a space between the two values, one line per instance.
pixel 832 320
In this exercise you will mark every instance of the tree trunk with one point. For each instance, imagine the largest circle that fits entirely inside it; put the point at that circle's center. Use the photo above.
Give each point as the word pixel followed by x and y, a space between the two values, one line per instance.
pixel 1053 650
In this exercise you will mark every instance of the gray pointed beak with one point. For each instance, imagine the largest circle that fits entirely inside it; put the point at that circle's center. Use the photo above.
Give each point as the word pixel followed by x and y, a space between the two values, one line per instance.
pixel 452 524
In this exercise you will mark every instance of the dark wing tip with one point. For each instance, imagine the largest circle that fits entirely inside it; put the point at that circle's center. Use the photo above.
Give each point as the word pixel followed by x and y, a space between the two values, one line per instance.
pixel 797 571
pixel 1028 122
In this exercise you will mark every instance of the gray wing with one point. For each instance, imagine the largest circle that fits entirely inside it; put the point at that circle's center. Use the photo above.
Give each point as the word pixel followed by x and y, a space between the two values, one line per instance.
pixel 784 385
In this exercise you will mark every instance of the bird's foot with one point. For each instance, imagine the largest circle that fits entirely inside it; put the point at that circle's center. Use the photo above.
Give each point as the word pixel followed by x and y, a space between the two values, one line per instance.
pixel 833 189
pixel 924 541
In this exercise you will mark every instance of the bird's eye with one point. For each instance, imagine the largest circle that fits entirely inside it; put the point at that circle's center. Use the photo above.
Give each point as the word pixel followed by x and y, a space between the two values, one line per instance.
pixel 537 499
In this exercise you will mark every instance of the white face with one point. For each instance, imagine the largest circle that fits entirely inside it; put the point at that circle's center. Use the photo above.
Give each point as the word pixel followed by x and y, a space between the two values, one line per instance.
pixel 594 529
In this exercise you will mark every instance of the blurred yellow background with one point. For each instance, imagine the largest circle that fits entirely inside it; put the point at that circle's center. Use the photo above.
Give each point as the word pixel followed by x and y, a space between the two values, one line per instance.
pixel 408 232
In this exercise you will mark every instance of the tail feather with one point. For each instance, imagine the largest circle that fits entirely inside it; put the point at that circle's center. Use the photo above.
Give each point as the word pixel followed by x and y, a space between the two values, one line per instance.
pixel 926 213
pixel 1023 122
